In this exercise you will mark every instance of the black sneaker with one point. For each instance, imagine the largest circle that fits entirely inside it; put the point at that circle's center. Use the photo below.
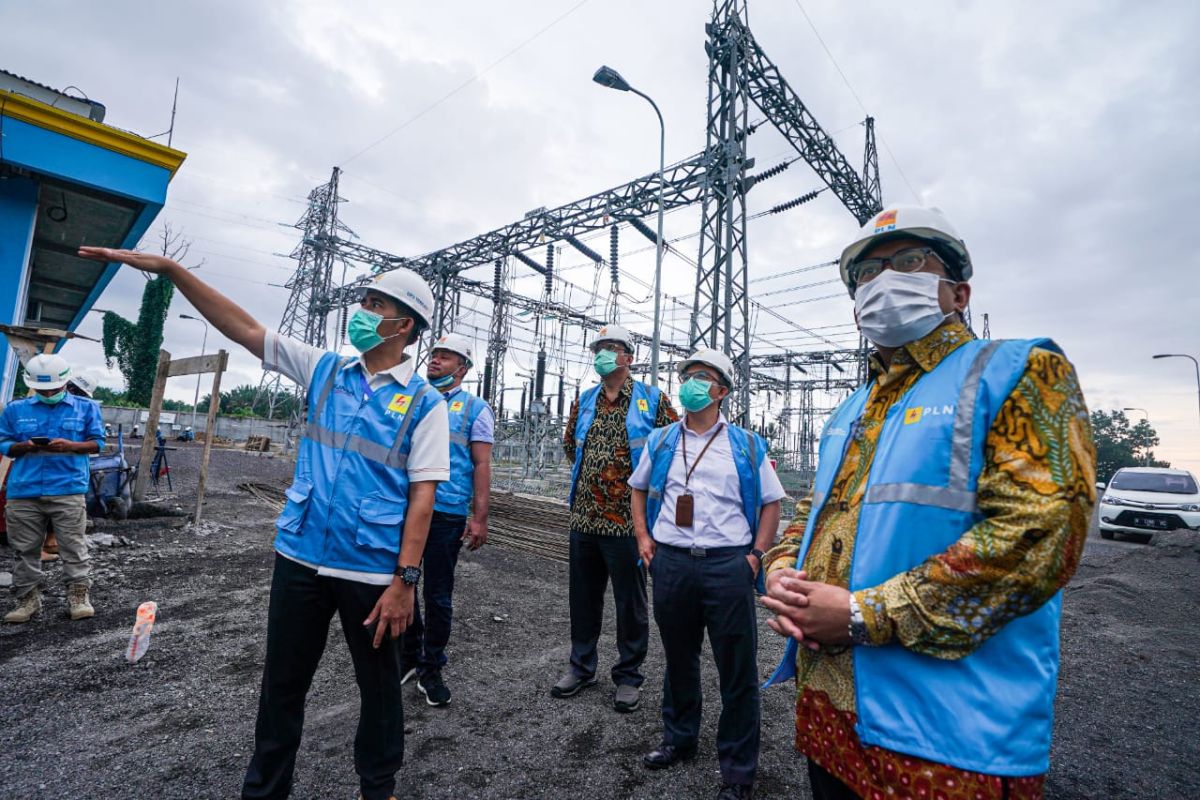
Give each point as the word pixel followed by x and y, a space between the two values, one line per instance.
pixel 431 685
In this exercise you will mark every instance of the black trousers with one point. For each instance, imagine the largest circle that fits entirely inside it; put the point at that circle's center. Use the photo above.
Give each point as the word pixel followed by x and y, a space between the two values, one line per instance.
pixel 594 561
pixel 713 594
pixel 302 606
pixel 424 643
pixel 825 786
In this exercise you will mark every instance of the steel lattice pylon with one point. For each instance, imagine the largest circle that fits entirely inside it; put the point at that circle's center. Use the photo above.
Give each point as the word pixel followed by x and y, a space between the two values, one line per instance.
pixel 306 316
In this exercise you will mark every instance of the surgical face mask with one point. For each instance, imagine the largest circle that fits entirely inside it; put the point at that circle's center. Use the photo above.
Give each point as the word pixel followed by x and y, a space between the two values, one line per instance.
pixel 53 399
pixel 443 382
pixel 896 308
pixel 605 362
pixel 694 394
pixel 363 329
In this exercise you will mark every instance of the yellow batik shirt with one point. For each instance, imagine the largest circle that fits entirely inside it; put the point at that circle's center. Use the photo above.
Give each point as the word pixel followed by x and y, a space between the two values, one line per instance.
pixel 1036 491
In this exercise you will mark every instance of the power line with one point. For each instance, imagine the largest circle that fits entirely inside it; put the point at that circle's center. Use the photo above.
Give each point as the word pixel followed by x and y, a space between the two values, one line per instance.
pixel 466 83
pixel 858 99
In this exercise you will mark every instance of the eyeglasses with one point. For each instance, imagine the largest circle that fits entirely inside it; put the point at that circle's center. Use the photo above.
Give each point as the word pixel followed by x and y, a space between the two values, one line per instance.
pixel 610 347
pixel 909 260
pixel 684 377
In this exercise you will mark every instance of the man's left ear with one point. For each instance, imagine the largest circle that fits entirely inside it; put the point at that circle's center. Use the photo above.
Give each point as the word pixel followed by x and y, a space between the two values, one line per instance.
pixel 962 296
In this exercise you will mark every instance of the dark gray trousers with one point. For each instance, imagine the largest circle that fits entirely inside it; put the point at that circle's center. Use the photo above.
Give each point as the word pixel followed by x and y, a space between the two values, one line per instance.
pixel 713 593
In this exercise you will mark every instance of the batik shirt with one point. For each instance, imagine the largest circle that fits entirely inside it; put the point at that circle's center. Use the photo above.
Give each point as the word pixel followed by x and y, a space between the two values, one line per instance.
pixel 603 494
pixel 1036 492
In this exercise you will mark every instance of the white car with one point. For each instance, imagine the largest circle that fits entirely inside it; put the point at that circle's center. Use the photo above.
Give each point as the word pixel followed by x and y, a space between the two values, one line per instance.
pixel 1140 501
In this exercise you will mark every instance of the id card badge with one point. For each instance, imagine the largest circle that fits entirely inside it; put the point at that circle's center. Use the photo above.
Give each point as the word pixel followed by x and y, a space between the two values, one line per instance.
pixel 685 506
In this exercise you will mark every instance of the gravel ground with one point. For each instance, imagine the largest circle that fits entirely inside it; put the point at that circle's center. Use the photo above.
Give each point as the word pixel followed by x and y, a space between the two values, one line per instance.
pixel 79 721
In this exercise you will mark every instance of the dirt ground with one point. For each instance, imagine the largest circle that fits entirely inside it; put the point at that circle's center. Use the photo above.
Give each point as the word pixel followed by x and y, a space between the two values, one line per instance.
pixel 78 721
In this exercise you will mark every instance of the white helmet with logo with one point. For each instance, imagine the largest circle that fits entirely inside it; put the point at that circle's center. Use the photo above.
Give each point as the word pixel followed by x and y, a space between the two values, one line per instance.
pixel 613 333
pixel 47 371
pixel 917 222
pixel 455 343
pixel 711 358
pixel 83 384
pixel 407 287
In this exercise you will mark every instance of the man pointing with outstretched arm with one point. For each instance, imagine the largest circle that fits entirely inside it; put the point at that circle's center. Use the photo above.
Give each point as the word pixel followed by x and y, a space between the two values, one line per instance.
pixel 352 533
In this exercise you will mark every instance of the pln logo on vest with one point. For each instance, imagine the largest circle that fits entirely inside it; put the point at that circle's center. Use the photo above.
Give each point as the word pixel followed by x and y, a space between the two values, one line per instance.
pixel 918 413
pixel 456 406
pixel 399 405
pixel 643 405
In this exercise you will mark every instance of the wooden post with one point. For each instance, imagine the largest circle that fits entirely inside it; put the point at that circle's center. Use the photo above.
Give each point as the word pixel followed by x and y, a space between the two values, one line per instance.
pixel 214 403
pixel 156 399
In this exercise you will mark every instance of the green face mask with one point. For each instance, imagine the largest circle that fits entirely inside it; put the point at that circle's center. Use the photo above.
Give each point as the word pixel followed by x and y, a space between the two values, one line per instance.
pixel 53 399
pixel 605 362
pixel 363 329
pixel 693 395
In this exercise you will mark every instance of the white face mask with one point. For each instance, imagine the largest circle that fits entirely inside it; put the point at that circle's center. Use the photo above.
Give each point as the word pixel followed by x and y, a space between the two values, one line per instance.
pixel 899 307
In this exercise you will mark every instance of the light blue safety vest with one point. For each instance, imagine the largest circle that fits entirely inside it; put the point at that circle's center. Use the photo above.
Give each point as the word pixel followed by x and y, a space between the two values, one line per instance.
pixel 454 495
pixel 346 505
pixel 643 410
pixel 992 710
pixel 749 451
pixel 43 474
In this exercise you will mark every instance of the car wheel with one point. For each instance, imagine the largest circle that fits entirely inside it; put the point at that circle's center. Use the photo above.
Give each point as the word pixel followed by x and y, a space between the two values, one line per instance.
pixel 1141 538
pixel 1106 534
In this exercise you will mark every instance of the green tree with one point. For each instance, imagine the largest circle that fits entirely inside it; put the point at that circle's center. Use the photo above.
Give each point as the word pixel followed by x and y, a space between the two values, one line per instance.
pixel 1119 444
pixel 135 346
pixel 243 401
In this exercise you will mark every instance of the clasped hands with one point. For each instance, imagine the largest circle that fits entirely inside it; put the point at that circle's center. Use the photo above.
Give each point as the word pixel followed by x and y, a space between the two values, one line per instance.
pixel 810 612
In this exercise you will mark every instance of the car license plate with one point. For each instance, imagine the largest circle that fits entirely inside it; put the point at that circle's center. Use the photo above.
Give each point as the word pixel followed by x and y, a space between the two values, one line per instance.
pixel 1149 522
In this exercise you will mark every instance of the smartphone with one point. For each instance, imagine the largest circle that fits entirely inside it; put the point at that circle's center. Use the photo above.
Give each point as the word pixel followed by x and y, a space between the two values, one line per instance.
pixel 40 441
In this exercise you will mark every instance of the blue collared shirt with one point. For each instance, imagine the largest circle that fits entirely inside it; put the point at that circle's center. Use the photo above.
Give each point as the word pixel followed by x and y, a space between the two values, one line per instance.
pixel 49 475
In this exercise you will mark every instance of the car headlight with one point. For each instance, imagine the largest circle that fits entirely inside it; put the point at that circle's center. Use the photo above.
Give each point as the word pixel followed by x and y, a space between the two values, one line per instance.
pixel 1190 507
pixel 1109 500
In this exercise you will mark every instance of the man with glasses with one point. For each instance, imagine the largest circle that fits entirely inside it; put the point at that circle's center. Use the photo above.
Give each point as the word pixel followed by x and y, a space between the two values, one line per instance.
pixel 705 507
pixel 921 583
pixel 604 437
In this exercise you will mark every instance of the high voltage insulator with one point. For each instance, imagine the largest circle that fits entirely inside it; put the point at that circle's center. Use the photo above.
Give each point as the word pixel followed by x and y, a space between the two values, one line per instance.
pixel 342 326
pixel 487 379
pixel 496 287
pixel 549 269
pixel 790 204
pixel 613 240
pixel 643 229
pixel 539 383
pixel 583 248
pixel 753 180
pixel 527 261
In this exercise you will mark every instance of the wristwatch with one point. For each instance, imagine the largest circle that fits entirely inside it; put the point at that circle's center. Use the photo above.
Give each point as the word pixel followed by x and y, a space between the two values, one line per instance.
pixel 759 555
pixel 410 575
pixel 858 625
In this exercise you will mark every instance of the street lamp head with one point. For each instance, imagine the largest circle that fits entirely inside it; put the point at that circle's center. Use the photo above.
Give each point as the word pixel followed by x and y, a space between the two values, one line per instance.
pixel 607 76
pixel 186 316
pixel 1163 355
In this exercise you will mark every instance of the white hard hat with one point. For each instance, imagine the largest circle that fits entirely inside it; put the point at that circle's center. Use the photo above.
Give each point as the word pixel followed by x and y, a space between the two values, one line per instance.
pixel 408 288
pixel 712 358
pixel 613 333
pixel 84 384
pixel 455 343
pixel 47 371
pixel 918 222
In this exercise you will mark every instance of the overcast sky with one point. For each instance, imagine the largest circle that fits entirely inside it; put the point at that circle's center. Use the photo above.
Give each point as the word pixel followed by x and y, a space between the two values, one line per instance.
pixel 1059 138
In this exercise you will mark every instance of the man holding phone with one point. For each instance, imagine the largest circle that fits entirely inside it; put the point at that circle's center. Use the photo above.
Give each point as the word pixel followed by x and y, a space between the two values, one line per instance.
pixel 49 437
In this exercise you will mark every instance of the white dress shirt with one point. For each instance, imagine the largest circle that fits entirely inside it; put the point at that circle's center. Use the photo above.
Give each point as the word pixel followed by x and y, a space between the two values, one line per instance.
pixel 429 458
pixel 717 519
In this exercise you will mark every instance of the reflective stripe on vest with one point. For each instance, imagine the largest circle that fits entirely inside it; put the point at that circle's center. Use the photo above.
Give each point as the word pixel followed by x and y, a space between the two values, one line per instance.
pixel 638 424
pixel 454 496
pixel 990 711
pixel 347 504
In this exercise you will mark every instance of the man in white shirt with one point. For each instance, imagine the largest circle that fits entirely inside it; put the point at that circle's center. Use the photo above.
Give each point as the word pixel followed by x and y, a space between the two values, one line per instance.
pixel 350 538
pixel 705 508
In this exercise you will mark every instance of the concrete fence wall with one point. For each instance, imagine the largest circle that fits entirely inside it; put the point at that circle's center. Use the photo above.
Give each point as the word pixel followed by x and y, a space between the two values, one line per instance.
pixel 237 429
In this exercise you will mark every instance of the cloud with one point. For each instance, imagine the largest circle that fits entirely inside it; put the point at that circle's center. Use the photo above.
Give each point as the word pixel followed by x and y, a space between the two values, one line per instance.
pixel 1060 139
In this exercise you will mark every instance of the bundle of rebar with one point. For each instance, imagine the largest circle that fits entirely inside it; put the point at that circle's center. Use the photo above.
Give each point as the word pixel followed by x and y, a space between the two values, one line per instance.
pixel 531 524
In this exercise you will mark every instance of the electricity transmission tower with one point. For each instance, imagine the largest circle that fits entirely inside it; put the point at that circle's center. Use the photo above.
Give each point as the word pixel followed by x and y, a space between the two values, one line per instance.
pixel 306 315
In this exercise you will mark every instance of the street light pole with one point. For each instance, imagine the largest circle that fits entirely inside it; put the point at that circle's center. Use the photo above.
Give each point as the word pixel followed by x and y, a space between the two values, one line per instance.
pixel 1146 455
pixel 1195 364
pixel 607 76
pixel 203 345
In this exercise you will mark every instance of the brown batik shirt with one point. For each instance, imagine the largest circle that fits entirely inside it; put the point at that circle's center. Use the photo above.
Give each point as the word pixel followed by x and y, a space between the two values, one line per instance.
pixel 602 495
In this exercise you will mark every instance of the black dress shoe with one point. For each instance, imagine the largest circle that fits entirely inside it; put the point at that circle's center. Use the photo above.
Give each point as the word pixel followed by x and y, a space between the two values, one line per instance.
pixel 667 755
pixel 736 791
